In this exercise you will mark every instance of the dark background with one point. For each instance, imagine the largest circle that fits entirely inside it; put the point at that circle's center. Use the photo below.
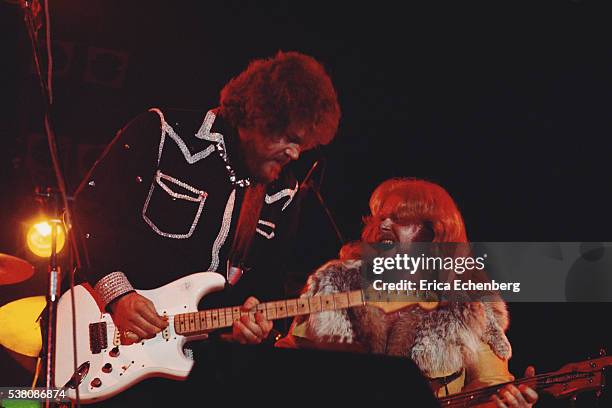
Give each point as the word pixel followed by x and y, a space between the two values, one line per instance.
pixel 506 104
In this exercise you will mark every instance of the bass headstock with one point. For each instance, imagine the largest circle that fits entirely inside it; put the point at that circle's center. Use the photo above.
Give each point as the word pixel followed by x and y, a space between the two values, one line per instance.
pixel 574 378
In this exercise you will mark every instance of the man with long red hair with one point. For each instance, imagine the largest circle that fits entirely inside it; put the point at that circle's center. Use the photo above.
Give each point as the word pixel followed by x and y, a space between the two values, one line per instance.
pixel 459 344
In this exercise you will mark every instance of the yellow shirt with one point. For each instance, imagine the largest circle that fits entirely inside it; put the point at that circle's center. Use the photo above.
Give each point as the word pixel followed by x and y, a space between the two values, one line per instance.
pixel 487 368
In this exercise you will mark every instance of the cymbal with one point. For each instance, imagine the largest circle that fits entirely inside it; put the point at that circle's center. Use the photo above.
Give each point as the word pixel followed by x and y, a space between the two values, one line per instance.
pixel 14 270
pixel 27 362
pixel 20 327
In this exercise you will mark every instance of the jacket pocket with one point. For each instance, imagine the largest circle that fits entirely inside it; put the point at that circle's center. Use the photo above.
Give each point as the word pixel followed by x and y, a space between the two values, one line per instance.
pixel 173 208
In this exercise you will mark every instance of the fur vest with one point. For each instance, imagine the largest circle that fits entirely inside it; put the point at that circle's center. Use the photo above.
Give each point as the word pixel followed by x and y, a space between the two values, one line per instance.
pixel 441 341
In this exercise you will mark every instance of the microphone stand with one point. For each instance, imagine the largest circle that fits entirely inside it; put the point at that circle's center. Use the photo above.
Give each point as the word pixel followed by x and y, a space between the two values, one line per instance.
pixel 32 10
pixel 51 197
pixel 308 183
pixel 33 22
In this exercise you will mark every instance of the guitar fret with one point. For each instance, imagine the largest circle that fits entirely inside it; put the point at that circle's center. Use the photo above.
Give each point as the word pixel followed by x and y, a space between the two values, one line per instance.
pixel 341 301
pixel 281 309
pixel 291 307
pixel 315 304
pixel 261 307
pixel 202 318
pixel 271 311
pixel 191 322
pixel 235 313
pixel 209 319
pixel 215 318
pixel 222 318
pixel 302 306
pixel 228 316
pixel 182 323
pixel 198 322
pixel 327 302
pixel 355 298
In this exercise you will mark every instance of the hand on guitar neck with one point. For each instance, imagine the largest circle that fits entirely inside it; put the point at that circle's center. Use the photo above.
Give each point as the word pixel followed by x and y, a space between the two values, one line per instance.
pixel 516 394
pixel 137 319
pixel 512 396
pixel 250 329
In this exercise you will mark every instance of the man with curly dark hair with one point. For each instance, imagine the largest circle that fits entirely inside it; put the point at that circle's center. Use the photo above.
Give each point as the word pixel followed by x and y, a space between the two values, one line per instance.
pixel 289 95
pixel 178 192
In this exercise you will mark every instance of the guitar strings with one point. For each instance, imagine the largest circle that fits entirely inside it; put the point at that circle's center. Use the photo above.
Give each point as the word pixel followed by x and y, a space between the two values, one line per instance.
pixel 112 324
pixel 488 391
pixel 472 396
pixel 334 307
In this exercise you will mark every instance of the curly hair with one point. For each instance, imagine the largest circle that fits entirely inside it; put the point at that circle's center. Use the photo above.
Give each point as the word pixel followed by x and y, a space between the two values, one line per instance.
pixel 289 89
pixel 417 201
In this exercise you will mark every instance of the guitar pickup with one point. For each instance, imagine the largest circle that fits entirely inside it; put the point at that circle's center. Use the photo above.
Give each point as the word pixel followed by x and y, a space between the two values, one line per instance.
pixel 97 337
pixel 166 331
pixel 117 338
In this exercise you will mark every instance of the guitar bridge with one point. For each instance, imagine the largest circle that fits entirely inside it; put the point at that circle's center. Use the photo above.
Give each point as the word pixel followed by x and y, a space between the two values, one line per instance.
pixel 97 337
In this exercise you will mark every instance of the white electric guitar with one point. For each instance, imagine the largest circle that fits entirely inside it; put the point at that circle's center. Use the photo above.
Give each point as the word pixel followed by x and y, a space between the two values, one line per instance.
pixel 105 367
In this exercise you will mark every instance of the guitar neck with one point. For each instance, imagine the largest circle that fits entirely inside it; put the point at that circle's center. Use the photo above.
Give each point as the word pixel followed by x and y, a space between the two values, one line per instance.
pixel 195 323
pixel 538 382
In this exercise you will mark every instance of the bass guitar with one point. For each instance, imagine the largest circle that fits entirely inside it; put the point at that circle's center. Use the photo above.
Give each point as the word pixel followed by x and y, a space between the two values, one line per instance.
pixel 566 382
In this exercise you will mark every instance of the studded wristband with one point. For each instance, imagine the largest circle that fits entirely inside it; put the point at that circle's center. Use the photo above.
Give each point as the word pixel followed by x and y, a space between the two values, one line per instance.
pixel 112 286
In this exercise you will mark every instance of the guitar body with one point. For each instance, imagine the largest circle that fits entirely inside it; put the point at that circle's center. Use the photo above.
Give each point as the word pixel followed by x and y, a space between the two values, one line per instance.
pixel 106 367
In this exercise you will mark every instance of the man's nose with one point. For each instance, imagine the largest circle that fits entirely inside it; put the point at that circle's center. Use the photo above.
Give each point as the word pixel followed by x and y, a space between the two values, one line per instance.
pixel 293 151
pixel 386 224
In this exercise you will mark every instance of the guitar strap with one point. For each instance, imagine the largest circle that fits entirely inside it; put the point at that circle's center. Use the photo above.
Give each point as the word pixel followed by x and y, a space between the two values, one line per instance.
pixel 245 231
pixel 439 382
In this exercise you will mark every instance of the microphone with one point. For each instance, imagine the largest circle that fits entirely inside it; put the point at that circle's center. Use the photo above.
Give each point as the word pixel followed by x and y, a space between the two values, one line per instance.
pixel 306 184
pixel 307 179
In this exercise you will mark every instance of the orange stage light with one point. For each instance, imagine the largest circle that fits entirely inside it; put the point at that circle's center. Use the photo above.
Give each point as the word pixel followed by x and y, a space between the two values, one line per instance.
pixel 39 235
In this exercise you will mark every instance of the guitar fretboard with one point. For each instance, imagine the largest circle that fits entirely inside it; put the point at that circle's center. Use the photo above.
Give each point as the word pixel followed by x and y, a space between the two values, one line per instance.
pixel 191 324
pixel 538 382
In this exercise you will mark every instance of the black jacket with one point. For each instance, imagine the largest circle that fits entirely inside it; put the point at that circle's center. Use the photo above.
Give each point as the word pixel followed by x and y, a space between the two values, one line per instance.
pixel 159 204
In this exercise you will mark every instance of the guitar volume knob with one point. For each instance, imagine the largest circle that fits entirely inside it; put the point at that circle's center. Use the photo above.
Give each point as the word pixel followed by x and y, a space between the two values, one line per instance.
pixel 96 382
pixel 114 352
pixel 107 368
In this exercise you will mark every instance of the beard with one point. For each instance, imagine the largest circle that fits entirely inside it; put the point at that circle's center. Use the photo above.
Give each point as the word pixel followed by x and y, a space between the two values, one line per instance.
pixel 265 171
pixel 262 168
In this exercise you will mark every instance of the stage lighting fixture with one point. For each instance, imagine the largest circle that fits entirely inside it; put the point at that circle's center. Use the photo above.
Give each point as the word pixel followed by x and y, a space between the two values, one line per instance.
pixel 39 236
